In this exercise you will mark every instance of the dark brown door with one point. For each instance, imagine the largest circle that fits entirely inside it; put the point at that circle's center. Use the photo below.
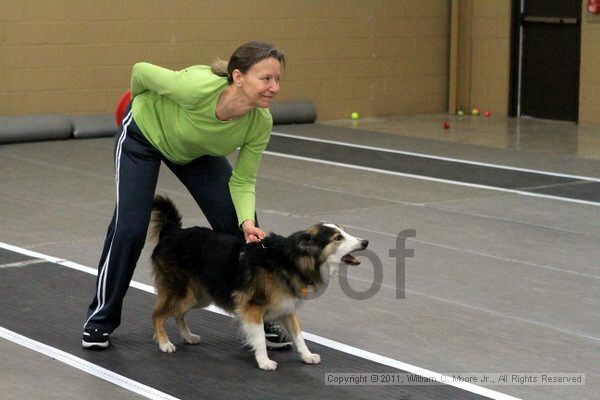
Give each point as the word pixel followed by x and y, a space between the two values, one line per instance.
pixel 548 37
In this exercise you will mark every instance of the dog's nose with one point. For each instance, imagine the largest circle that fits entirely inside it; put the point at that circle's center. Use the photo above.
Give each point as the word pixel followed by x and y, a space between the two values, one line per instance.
pixel 364 243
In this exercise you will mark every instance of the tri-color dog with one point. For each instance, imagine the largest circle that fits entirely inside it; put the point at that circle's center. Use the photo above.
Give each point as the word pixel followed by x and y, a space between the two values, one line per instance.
pixel 196 267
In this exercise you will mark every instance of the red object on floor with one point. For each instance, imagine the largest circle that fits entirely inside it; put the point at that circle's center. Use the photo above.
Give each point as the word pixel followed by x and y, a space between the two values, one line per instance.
pixel 487 113
pixel 122 106
pixel 446 125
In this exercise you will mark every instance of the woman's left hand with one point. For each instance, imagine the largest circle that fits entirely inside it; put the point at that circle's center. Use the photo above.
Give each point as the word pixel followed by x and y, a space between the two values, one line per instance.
pixel 252 233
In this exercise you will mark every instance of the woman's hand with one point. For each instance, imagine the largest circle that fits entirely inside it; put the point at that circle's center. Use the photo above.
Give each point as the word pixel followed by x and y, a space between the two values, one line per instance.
pixel 251 232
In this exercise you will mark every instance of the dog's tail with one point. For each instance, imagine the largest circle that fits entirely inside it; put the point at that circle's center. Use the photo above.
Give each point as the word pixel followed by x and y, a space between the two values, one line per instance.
pixel 164 214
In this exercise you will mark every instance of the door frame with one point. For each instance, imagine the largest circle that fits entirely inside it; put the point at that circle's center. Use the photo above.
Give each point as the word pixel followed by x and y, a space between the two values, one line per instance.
pixel 516 55
pixel 516 38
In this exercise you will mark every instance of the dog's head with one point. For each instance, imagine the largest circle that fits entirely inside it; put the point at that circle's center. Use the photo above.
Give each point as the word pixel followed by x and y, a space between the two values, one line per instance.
pixel 323 243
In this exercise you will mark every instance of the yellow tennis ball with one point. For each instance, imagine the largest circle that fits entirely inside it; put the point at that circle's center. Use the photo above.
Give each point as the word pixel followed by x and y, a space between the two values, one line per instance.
pixel 354 115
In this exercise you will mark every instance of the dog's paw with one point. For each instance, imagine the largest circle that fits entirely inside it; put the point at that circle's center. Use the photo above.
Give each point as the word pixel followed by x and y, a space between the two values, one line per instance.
pixel 267 365
pixel 167 347
pixel 192 339
pixel 311 358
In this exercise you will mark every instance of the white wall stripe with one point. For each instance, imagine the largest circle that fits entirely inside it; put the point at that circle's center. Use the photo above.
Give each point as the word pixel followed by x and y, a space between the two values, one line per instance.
pixel 314 338
pixel 427 178
pixel 434 157
pixel 85 366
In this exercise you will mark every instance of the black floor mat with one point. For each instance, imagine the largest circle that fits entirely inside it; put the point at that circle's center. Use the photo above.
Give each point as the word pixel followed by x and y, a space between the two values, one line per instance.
pixel 47 303
pixel 455 171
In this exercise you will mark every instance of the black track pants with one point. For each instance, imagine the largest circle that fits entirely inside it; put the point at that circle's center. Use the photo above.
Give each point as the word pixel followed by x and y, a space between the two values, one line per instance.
pixel 137 163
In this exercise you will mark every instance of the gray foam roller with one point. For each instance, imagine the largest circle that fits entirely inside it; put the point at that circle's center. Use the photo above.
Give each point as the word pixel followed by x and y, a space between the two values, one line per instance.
pixel 293 112
pixel 93 126
pixel 28 128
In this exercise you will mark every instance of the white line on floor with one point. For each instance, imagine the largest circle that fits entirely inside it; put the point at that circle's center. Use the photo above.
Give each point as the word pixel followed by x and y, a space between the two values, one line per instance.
pixel 85 366
pixel 434 157
pixel 102 373
pixel 439 180
pixel 22 263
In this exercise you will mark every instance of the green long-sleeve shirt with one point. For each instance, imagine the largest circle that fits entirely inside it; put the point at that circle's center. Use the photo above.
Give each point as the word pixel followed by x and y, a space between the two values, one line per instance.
pixel 175 110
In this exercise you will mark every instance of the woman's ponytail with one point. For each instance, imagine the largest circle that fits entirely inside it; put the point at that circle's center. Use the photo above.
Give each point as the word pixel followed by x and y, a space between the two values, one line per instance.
pixel 219 67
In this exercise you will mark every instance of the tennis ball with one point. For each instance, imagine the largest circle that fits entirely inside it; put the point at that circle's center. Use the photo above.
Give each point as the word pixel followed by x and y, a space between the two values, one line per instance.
pixel 475 111
pixel 354 115
pixel 460 113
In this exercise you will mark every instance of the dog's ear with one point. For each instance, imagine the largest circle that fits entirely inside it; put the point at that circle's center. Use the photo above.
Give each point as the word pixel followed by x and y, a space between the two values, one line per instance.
pixel 304 251
pixel 306 264
pixel 306 245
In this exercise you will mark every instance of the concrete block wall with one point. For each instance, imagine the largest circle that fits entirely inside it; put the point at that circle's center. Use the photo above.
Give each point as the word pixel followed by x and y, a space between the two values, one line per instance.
pixel 589 86
pixel 490 60
pixel 377 57
pixel 490 63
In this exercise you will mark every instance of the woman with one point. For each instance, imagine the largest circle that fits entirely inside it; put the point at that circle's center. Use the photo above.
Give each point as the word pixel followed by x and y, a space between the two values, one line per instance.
pixel 189 120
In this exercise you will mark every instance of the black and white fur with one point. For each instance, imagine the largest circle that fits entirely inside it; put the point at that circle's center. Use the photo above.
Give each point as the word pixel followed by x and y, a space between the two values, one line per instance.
pixel 196 267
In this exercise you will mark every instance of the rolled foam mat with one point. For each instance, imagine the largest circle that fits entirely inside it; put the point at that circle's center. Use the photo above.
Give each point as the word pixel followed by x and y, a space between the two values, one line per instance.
pixel 93 126
pixel 293 112
pixel 29 128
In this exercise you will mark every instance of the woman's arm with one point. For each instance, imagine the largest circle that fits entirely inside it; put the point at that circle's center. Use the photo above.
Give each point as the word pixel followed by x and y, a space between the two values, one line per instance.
pixel 177 85
pixel 243 179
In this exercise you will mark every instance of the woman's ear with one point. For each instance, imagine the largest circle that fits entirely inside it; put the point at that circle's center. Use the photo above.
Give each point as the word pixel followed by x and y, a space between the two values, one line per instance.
pixel 238 77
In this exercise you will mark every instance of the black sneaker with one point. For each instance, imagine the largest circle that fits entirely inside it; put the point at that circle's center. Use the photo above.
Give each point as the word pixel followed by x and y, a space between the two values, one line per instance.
pixel 277 338
pixel 94 339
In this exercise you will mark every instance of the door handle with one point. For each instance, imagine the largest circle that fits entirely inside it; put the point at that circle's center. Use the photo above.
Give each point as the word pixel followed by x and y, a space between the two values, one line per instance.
pixel 551 20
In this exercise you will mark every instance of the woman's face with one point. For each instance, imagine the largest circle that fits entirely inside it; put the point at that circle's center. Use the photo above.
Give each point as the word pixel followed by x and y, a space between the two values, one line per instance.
pixel 261 82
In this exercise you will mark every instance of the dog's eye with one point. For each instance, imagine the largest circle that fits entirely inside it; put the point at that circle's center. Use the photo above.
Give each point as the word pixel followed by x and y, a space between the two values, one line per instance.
pixel 338 237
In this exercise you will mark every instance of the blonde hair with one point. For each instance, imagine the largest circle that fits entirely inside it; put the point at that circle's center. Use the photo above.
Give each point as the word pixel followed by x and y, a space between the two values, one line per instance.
pixel 219 67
